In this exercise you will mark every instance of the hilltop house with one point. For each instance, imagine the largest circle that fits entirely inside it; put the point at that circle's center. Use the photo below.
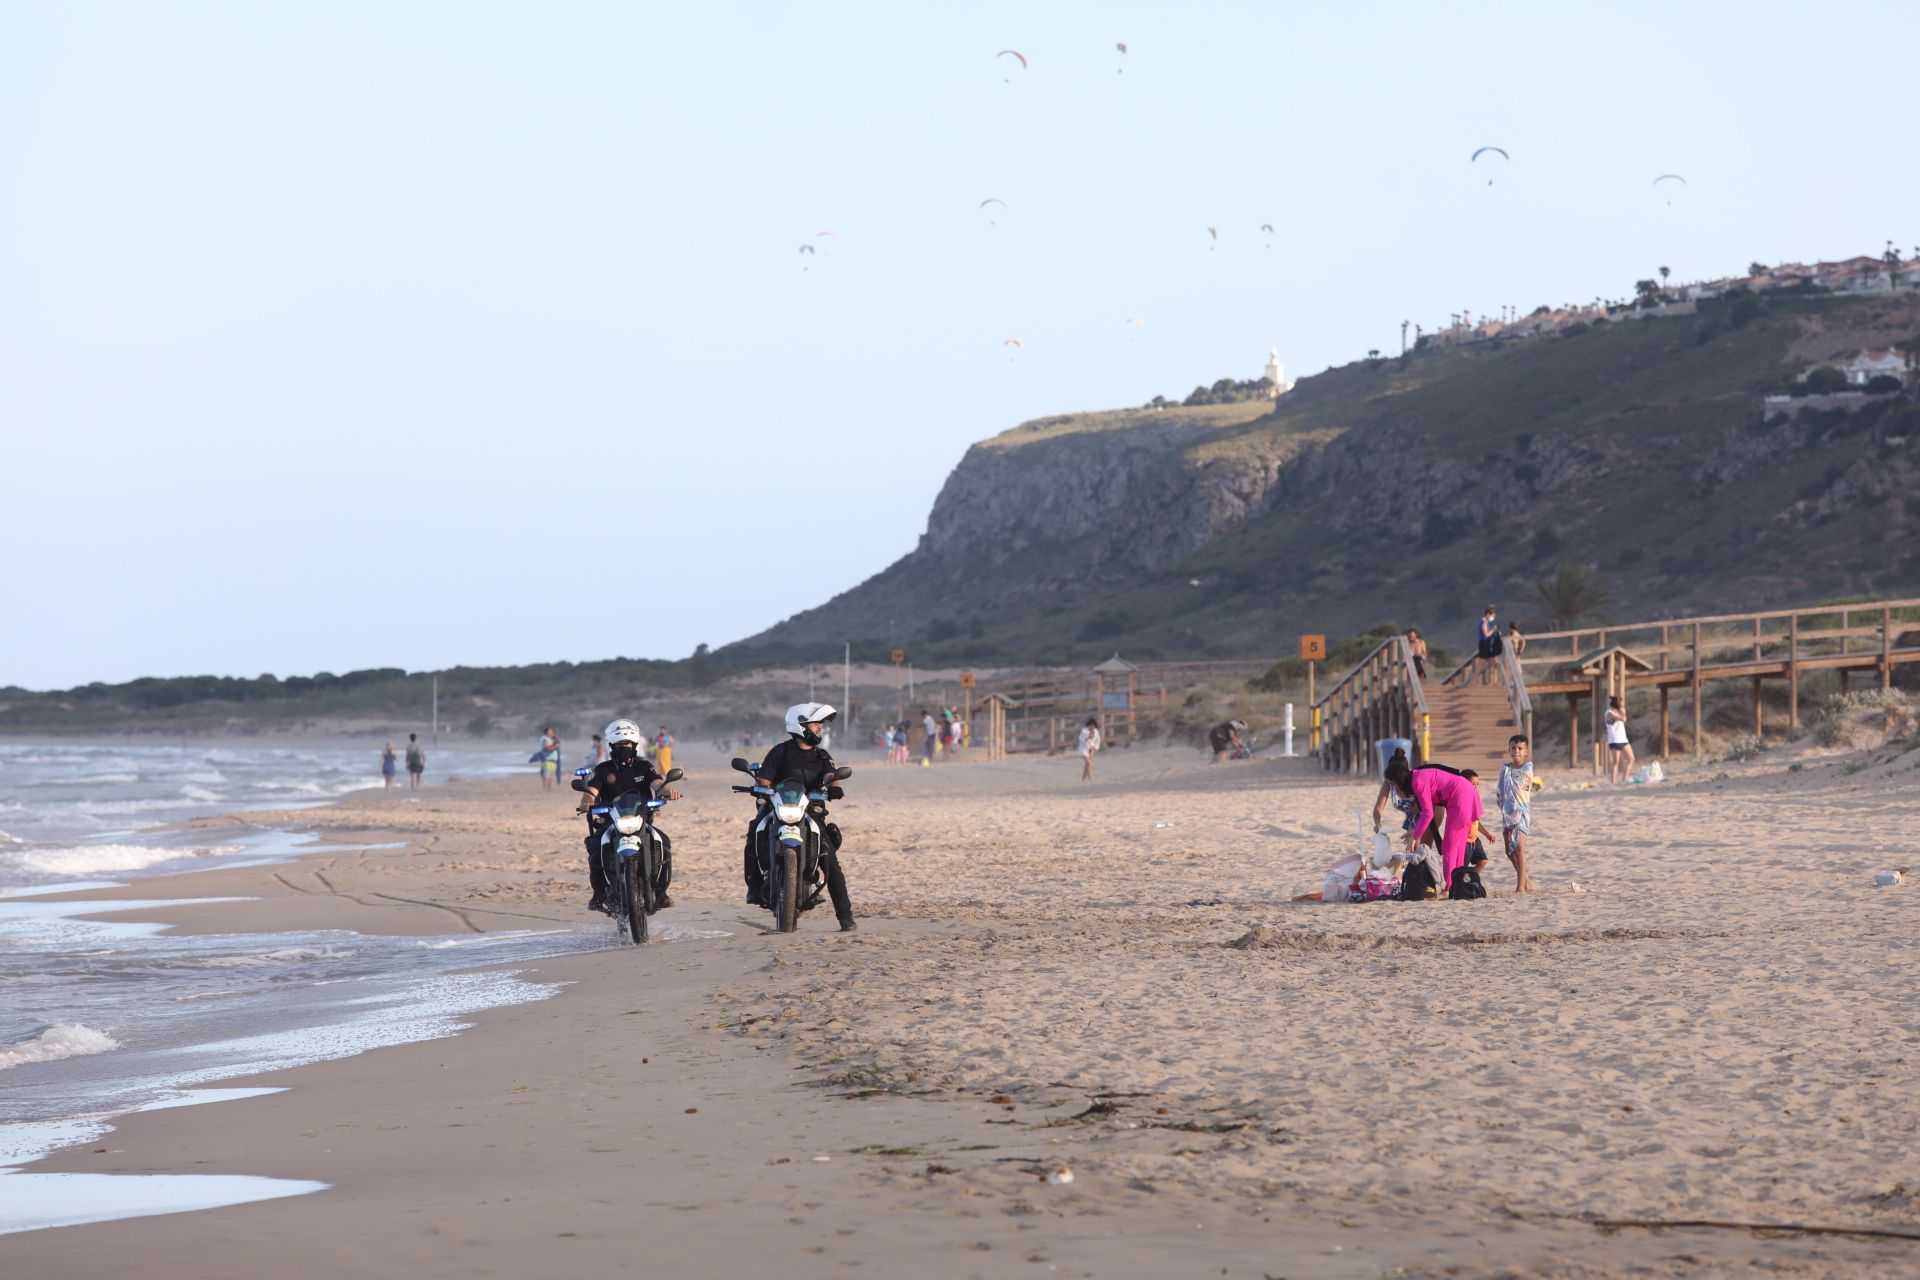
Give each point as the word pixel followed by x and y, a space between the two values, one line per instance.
pixel 1863 367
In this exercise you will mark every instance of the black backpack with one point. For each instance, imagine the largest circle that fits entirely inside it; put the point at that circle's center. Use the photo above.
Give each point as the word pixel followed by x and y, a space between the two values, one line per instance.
pixel 1417 883
pixel 1466 884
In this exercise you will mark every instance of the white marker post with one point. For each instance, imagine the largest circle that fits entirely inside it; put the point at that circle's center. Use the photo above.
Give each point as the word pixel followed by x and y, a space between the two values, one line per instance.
pixel 1286 728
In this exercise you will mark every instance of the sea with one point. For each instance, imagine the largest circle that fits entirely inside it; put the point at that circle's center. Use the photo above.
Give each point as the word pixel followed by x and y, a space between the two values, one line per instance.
pixel 99 1018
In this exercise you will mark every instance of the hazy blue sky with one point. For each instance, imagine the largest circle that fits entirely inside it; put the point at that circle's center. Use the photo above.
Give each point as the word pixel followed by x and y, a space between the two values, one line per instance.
pixel 333 334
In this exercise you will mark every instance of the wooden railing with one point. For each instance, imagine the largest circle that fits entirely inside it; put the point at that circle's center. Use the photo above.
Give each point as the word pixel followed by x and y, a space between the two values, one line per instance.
pixel 1779 644
pixel 1379 698
pixel 1512 677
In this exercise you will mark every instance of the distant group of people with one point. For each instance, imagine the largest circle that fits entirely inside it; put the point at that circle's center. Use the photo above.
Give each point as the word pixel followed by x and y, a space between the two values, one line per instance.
pixel 942 733
pixel 416 762
pixel 1489 642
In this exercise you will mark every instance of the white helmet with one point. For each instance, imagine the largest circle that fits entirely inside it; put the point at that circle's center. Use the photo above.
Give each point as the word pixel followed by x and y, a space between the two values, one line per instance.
pixel 622 731
pixel 802 714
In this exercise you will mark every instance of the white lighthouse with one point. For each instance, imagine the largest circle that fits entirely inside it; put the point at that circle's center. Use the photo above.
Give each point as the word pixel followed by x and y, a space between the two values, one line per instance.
pixel 1276 373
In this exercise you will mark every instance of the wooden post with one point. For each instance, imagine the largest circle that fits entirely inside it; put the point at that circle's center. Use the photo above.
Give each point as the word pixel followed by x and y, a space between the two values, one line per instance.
pixel 1697 749
pixel 1793 675
pixel 1886 647
pixel 1601 683
pixel 1759 711
pixel 1573 732
pixel 1053 735
pixel 1756 639
pixel 1663 648
pixel 1666 727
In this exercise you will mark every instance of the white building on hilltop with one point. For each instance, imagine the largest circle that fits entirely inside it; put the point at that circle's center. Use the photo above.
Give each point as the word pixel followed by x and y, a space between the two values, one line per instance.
pixel 1276 373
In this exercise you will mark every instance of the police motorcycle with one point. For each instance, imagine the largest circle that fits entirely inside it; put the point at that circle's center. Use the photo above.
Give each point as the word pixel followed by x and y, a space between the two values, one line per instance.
pixel 632 851
pixel 792 842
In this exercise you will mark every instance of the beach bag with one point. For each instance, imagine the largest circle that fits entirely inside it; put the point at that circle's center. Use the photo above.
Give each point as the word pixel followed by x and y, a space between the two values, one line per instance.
pixel 1466 885
pixel 1418 883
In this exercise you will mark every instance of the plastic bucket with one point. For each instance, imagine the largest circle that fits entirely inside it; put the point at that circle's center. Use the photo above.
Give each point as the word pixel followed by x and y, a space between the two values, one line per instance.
pixel 1385 747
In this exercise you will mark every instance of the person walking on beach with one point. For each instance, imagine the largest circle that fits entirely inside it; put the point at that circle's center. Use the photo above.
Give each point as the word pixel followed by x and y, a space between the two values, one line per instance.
pixel 1418 644
pixel 1488 643
pixel 1089 747
pixel 930 735
pixel 548 757
pixel 1514 792
pixel 599 750
pixel 1619 750
pixel 388 761
pixel 416 761
pixel 663 750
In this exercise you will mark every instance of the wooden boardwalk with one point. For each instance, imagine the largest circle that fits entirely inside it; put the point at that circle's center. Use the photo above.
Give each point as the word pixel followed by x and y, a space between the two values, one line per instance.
pixel 1465 723
pixel 1869 639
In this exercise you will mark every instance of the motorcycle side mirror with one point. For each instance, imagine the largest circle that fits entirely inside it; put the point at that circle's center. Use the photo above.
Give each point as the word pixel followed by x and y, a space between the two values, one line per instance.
pixel 843 771
pixel 740 765
pixel 675 774
pixel 579 784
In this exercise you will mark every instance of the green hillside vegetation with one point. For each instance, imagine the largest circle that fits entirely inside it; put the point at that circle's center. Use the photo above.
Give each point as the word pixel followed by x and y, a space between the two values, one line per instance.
pixel 1209 417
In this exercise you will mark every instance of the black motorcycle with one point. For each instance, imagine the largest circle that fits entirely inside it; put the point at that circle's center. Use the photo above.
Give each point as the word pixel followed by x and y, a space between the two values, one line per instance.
pixel 632 851
pixel 792 842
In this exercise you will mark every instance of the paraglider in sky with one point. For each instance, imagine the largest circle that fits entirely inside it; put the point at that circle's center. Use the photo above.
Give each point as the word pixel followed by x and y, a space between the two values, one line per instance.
pixel 1121 45
pixel 1013 53
pixel 806 248
pixel 1669 177
pixel 1013 342
pixel 1499 151
pixel 1267 227
pixel 820 234
pixel 1138 324
pixel 992 200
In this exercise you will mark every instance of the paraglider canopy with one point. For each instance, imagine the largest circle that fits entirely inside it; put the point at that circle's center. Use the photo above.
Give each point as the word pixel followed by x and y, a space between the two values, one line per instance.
pixel 1012 342
pixel 993 200
pixel 1501 151
pixel 1214 232
pixel 1014 53
pixel 806 248
pixel 1669 177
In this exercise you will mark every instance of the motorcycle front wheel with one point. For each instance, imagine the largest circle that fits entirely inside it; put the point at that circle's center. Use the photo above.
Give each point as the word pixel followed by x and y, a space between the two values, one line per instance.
pixel 639 894
pixel 785 889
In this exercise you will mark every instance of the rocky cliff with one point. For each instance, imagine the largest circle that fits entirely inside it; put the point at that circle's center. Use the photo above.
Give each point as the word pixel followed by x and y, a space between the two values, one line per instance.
pixel 1416 489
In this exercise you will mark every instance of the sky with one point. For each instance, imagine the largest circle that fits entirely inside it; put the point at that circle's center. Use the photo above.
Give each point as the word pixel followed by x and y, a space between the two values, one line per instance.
pixel 342 335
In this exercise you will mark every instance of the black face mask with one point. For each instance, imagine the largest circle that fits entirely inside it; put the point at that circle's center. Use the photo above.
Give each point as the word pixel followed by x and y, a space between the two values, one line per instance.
pixel 622 752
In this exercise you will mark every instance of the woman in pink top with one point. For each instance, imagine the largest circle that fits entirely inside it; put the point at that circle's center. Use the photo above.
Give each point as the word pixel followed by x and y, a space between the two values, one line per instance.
pixel 1433 789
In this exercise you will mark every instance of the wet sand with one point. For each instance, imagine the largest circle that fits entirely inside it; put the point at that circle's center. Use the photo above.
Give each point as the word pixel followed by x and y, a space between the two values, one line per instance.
pixel 1720 1023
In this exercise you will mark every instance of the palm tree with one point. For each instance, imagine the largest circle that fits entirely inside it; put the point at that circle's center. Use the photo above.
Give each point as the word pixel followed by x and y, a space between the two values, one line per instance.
pixel 1573 594
pixel 1664 273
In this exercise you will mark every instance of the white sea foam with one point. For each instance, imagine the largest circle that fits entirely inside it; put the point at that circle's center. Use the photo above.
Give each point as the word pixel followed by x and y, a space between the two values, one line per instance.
pixel 61 1040
pixel 93 859
pixel 199 795
pixel 286 955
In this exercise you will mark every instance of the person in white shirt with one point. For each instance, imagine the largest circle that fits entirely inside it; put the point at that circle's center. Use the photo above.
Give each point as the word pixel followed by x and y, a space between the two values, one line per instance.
pixel 1089 746
pixel 1619 750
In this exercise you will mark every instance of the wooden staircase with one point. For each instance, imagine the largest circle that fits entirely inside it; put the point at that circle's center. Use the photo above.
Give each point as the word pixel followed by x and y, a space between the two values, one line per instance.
pixel 1470 725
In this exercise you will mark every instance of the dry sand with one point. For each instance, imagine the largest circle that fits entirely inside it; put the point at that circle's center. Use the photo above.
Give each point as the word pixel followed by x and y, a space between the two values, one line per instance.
pixel 1719 1023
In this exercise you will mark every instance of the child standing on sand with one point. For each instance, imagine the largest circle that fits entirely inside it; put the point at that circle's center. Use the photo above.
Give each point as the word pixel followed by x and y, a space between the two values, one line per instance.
pixel 1089 747
pixel 1515 792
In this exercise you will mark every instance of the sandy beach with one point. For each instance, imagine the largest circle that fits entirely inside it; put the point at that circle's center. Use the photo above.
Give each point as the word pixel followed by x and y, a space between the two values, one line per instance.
pixel 1706 1014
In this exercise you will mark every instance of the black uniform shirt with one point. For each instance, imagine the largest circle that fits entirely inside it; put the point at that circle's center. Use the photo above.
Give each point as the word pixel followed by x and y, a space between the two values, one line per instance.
pixel 791 760
pixel 611 779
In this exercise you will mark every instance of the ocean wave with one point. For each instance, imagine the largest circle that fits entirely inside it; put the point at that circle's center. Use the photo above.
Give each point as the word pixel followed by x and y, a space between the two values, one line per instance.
pixel 61 1040
pixel 95 858
pixel 199 795
pixel 286 955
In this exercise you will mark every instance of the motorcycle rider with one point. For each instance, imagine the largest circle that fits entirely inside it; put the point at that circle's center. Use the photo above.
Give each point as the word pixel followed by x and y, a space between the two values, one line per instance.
pixel 625 769
pixel 801 756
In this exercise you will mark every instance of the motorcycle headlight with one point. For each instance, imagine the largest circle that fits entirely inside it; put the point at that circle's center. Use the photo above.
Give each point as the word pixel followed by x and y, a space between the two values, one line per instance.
pixel 789 812
pixel 629 826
